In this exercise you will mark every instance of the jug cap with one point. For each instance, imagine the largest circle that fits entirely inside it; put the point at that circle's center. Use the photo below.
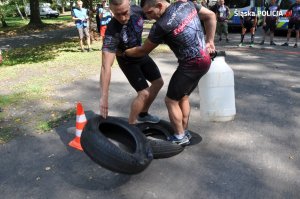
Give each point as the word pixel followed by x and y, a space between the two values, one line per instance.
pixel 217 54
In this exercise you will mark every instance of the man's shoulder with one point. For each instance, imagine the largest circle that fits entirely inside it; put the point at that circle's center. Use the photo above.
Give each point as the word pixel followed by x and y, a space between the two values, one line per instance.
pixel 114 27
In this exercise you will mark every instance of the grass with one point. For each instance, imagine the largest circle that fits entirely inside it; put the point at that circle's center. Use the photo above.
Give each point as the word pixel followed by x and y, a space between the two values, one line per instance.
pixel 31 85
pixel 45 126
pixel 9 99
pixel 16 25
pixel 6 134
pixel 35 55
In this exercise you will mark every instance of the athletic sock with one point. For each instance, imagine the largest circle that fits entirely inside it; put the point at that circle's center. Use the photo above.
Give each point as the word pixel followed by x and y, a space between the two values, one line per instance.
pixel 252 38
pixel 242 38
pixel 179 136
pixel 143 114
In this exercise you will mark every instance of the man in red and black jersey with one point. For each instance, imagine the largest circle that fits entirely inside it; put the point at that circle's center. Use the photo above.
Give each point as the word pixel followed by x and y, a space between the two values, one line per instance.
pixel 178 25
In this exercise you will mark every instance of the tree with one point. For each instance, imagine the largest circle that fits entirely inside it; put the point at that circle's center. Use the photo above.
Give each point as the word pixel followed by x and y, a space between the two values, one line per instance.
pixel 6 8
pixel 35 18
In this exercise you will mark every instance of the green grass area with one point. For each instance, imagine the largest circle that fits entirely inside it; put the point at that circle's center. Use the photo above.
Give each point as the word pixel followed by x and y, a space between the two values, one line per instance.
pixel 6 134
pixel 35 55
pixel 45 126
pixel 9 99
pixel 16 25
pixel 30 77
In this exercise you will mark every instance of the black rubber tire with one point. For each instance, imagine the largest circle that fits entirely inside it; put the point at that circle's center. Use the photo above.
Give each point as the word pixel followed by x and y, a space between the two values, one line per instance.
pixel 161 148
pixel 96 144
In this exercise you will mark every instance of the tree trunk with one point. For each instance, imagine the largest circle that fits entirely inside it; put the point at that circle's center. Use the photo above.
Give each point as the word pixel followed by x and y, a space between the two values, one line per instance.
pixel 35 18
pixel 19 11
pixel 4 24
pixel 24 3
pixel 63 5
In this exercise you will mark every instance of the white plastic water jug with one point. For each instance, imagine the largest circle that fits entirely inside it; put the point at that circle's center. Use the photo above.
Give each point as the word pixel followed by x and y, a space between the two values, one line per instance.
pixel 216 87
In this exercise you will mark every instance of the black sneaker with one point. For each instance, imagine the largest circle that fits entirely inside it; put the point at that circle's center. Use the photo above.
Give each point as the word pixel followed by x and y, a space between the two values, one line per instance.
pixel 183 142
pixel 262 42
pixel 220 39
pixel 272 43
pixel 285 44
pixel 296 45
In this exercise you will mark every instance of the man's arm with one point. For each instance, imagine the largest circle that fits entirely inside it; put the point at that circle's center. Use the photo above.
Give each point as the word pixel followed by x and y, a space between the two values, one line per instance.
pixel 100 13
pixel 107 61
pixel 209 19
pixel 141 51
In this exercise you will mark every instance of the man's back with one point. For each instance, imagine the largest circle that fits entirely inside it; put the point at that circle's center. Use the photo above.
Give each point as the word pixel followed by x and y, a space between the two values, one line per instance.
pixel 180 28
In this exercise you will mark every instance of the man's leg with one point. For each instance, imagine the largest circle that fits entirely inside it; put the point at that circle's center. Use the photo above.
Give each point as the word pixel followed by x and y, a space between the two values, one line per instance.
pixel 288 36
pixel 155 87
pixel 175 115
pixel 138 105
pixel 184 105
pixel 297 39
pixel 243 35
pixel 219 30
pixel 144 100
pixel 87 34
pixel 80 32
pixel 81 44
pixel 252 30
pixel 225 27
pixel 265 29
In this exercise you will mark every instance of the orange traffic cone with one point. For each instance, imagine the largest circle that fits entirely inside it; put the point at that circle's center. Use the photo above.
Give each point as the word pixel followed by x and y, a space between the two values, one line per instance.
pixel 80 123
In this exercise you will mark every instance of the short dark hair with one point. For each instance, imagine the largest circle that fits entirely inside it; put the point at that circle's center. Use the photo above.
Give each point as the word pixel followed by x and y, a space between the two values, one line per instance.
pixel 150 2
pixel 116 2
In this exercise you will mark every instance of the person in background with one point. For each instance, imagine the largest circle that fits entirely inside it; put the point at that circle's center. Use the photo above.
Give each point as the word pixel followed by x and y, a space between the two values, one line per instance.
pixel 97 17
pixel 125 31
pixel 269 22
pixel 248 22
pixel 204 4
pixel 105 16
pixel 222 20
pixel 178 25
pixel 214 8
pixel 80 16
pixel 294 21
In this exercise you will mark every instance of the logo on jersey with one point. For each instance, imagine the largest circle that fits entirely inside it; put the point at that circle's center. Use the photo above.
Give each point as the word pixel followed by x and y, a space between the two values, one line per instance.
pixel 124 34
pixel 185 22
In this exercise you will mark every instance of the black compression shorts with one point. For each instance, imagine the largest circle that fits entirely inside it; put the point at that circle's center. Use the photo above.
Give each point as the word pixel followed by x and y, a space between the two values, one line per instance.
pixel 248 25
pixel 183 83
pixel 138 71
pixel 270 25
pixel 294 22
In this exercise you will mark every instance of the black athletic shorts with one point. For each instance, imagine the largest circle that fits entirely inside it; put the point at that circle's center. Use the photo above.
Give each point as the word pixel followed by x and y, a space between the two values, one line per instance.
pixel 294 22
pixel 248 25
pixel 270 25
pixel 138 71
pixel 183 83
